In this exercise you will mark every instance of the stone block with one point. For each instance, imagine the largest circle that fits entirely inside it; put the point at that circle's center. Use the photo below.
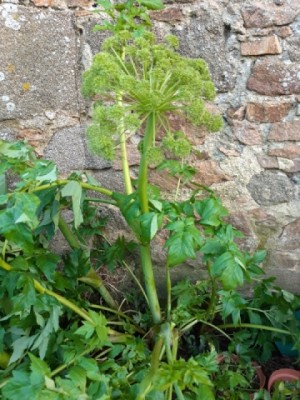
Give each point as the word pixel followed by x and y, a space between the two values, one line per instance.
pixel 285 32
pixel 266 45
pixel 294 48
pixel 67 149
pixel 290 166
pixel 285 266
pixel 290 151
pixel 202 36
pixel 285 131
pixel 236 113
pixel 258 15
pixel 267 112
pixel 267 162
pixel 270 188
pixel 247 133
pixel 169 14
pixel 290 236
pixel 272 78
pixel 208 172
pixel 38 61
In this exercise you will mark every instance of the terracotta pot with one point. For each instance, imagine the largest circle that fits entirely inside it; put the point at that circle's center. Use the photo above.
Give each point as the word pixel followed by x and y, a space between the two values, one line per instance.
pixel 284 374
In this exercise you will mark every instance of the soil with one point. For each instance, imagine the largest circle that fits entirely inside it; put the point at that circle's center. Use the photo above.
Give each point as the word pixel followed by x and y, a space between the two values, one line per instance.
pixel 278 362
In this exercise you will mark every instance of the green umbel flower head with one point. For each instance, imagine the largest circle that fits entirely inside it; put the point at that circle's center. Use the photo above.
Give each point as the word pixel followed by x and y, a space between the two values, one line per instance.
pixel 136 77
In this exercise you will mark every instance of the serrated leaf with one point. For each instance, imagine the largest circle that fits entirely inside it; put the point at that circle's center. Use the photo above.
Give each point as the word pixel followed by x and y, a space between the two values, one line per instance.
pixel 232 276
pixel 212 246
pixel 39 366
pixel 20 387
pixel 183 244
pixel 259 256
pixel 20 345
pixel 210 211
pixel 221 263
pixel 78 375
pixel 205 392
pixel 47 262
pixel 86 330
pixel 149 226
pixel 74 190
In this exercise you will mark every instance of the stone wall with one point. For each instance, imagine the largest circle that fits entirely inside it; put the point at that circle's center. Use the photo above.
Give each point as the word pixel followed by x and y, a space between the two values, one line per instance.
pixel 253 50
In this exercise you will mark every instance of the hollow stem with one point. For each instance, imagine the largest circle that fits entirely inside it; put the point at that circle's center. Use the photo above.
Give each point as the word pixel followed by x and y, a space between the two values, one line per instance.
pixel 145 385
pixel 255 326
pixel 145 251
pixel 63 182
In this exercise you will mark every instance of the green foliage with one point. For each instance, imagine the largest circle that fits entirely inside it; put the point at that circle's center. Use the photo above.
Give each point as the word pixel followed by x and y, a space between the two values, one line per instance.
pixel 136 77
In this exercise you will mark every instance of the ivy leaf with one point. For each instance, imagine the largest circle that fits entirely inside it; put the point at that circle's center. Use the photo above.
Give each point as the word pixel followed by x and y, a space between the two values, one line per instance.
pixel 74 190
pixel 183 242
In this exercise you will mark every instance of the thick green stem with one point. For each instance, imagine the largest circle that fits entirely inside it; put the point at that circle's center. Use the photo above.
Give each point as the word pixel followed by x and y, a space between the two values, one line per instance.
pixel 149 137
pixel 63 182
pixel 92 278
pixel 254 326
pixel 150 285
pixel 146 259
pixel 169 298
pixel 124 158
pixel 145 386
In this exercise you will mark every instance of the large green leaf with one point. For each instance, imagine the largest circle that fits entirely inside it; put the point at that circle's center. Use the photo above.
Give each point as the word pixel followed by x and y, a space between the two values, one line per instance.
pixel 184 241
pixel 149 226
pixel 228 270
pixel 74 190
pixel 23 386
pixel 210 211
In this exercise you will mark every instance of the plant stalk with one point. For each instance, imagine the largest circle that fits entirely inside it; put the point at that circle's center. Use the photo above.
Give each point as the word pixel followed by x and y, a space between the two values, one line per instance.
pixel 63 182
pixel 124 158
pixel 145 385
pixel 255 326
pixel 145 251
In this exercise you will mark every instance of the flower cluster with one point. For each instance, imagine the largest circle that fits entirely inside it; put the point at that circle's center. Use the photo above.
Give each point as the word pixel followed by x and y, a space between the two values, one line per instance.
pixel 136 77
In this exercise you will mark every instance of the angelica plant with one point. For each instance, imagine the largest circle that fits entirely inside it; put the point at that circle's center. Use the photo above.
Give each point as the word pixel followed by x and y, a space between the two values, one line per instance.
pixel 64 335
pixel 138 81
